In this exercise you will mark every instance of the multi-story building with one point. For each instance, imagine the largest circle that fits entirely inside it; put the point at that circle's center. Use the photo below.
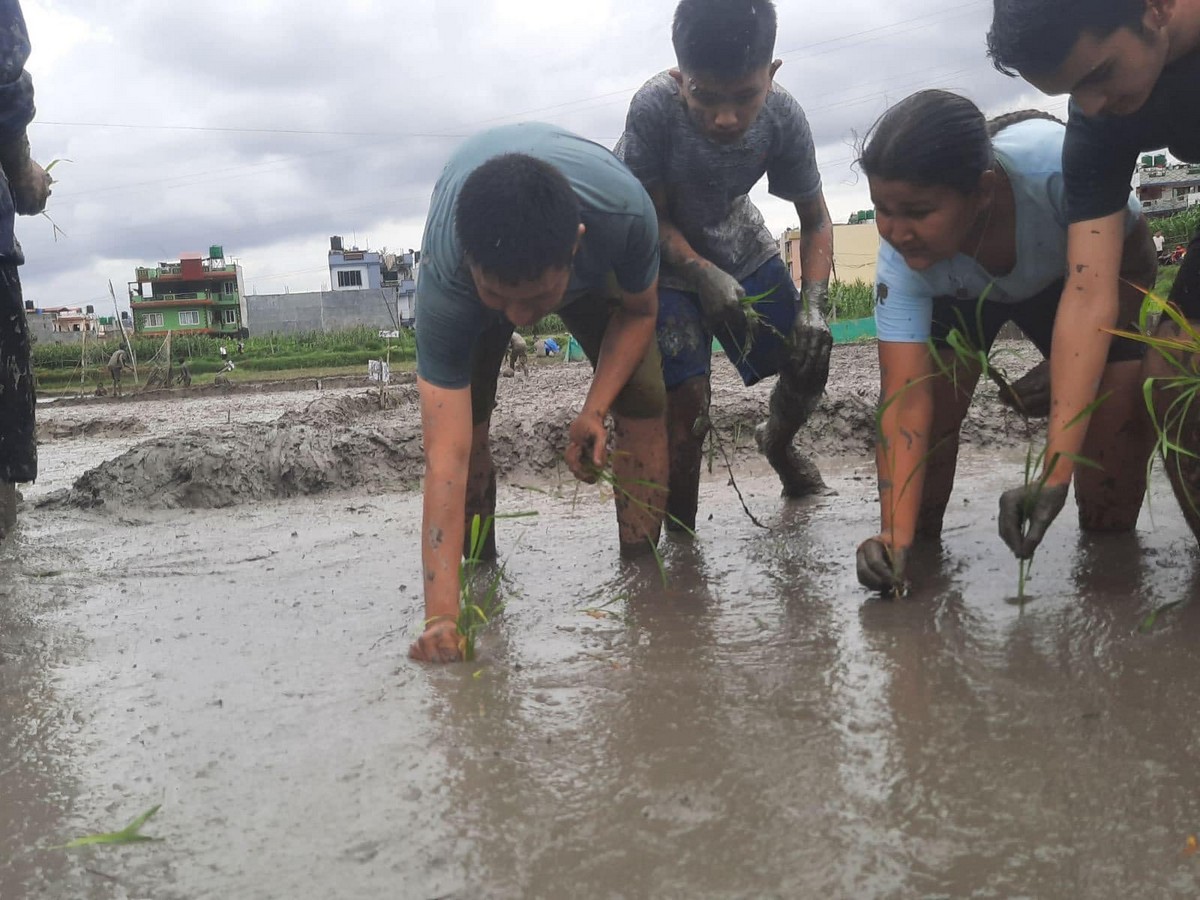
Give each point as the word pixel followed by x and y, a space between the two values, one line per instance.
pixel 1166 189
pixel 195 295
pixel 361 270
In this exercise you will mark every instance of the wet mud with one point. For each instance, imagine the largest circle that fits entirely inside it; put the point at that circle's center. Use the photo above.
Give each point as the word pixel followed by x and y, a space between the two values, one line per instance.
pixel 754 725
pixel 350 440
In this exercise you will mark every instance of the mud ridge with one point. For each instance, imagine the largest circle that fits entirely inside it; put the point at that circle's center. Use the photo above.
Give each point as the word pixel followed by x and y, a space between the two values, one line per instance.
pixel 347 442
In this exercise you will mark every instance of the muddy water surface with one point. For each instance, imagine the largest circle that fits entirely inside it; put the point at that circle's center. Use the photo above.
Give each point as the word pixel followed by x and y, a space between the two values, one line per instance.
pixel 756 728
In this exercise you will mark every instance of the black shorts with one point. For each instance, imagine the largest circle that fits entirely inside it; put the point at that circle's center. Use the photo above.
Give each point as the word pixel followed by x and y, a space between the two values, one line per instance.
pixel 1186 292
pixel 18 433
pixel 980 322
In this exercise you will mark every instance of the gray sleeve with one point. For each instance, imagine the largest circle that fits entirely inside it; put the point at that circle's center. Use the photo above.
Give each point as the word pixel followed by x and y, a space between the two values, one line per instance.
pixel 446 332
pixel 639 266
pixel 643 146
pixel 16 87
pixel 792 172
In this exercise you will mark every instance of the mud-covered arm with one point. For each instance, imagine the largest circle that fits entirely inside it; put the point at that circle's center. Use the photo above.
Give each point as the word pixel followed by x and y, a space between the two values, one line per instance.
pixel 677 252
pixel 719 293
pixel 816 248
pixel 446 430
pixel 626 340
pixel 902 445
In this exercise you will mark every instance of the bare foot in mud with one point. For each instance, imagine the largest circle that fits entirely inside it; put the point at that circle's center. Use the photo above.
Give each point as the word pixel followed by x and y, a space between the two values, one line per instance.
pixel 798 474
pixel 439 643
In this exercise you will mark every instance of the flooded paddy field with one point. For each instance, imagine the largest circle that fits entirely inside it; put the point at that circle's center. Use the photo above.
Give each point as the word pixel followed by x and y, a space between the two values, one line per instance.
pixel 756 725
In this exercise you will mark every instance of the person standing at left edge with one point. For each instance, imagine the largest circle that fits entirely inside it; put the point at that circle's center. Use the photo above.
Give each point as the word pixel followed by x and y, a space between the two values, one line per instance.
pixel 26 188
pixel 526 220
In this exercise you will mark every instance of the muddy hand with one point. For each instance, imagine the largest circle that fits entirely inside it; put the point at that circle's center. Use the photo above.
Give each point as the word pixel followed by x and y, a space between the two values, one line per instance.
pixel 28 182
pixel 438 643
pixel 880 568
pixel 1025 514
pixel 1029 394
pixel 720 296
pixel 587 446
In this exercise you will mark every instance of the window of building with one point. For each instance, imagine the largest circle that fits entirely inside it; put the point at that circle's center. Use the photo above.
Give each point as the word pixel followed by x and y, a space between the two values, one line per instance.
pixel 189 317
pixel 229 316
pixel 230 288
pixel 152 320
pixel 350 279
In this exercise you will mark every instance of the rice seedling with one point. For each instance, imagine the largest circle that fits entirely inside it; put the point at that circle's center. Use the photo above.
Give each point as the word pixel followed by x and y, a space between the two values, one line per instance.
pixel 1182 354
pixel 968 352
pixel 130 834
pixel 479 604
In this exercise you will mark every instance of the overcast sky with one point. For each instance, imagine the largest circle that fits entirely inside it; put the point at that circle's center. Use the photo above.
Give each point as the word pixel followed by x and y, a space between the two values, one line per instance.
pixel 266 126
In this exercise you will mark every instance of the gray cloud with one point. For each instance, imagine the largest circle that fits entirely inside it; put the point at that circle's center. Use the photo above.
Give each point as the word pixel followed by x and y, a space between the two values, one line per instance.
pixel 267 126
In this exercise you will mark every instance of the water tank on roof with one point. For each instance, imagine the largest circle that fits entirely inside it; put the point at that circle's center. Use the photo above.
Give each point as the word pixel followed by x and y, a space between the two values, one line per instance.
pixel 90 310
pixel 1160 159
pixel 29 307
pixel 335 243
pixel 1147 159
pixel 216 251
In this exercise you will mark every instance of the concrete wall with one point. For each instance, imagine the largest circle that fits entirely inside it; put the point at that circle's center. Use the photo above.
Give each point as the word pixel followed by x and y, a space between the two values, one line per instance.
pixel 320 311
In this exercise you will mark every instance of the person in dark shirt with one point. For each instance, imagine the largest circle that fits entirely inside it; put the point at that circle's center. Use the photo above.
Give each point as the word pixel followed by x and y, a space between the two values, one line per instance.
pixel 1132 68
pixel 24 187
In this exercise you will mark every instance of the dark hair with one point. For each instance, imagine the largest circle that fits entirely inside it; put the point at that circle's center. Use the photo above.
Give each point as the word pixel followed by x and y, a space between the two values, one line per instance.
pixel 724 38
pixel 517 217
pixel 1035 37
pixel 932 138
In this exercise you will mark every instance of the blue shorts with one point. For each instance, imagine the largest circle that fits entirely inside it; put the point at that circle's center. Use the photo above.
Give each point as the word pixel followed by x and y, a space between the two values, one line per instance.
pixel 685 341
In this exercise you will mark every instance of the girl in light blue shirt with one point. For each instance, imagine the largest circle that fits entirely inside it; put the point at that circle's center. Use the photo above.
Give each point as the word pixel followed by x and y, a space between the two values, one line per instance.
pixel 974 227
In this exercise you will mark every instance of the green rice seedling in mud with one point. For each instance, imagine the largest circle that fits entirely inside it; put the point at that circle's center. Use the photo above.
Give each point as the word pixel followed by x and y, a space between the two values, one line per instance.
pixel 130 834
pixel 479 598
pixel 966 353
pixel 607 477
pixel 1182 353
pixel 716 445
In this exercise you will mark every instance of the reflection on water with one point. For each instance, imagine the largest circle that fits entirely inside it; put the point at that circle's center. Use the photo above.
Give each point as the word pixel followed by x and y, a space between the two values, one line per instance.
pixel 756 726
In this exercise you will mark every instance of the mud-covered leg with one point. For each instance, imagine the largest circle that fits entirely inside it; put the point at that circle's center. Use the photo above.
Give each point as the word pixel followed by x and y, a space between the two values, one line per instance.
pixel 951 400
pixel 687 426
pixel 1177 416
pixel 1119 442
pixel 481 491
pixel 8 508
pixel 794 398
pixel 639 464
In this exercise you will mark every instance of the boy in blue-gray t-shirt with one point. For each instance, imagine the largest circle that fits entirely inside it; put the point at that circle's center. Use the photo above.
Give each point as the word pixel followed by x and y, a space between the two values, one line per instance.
pixel 526 220
pixel 699 137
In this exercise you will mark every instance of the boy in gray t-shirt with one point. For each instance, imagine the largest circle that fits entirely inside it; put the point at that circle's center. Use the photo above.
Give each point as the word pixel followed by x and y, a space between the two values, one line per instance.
pixel 699 137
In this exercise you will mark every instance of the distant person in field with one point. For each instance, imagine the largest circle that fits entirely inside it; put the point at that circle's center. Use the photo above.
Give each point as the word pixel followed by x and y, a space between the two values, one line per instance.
pixel 1132 69
pixel 973 222
pixel 527 220
pixel 518 354
pixel 24 189
pixel 699 137
pixel 118 365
